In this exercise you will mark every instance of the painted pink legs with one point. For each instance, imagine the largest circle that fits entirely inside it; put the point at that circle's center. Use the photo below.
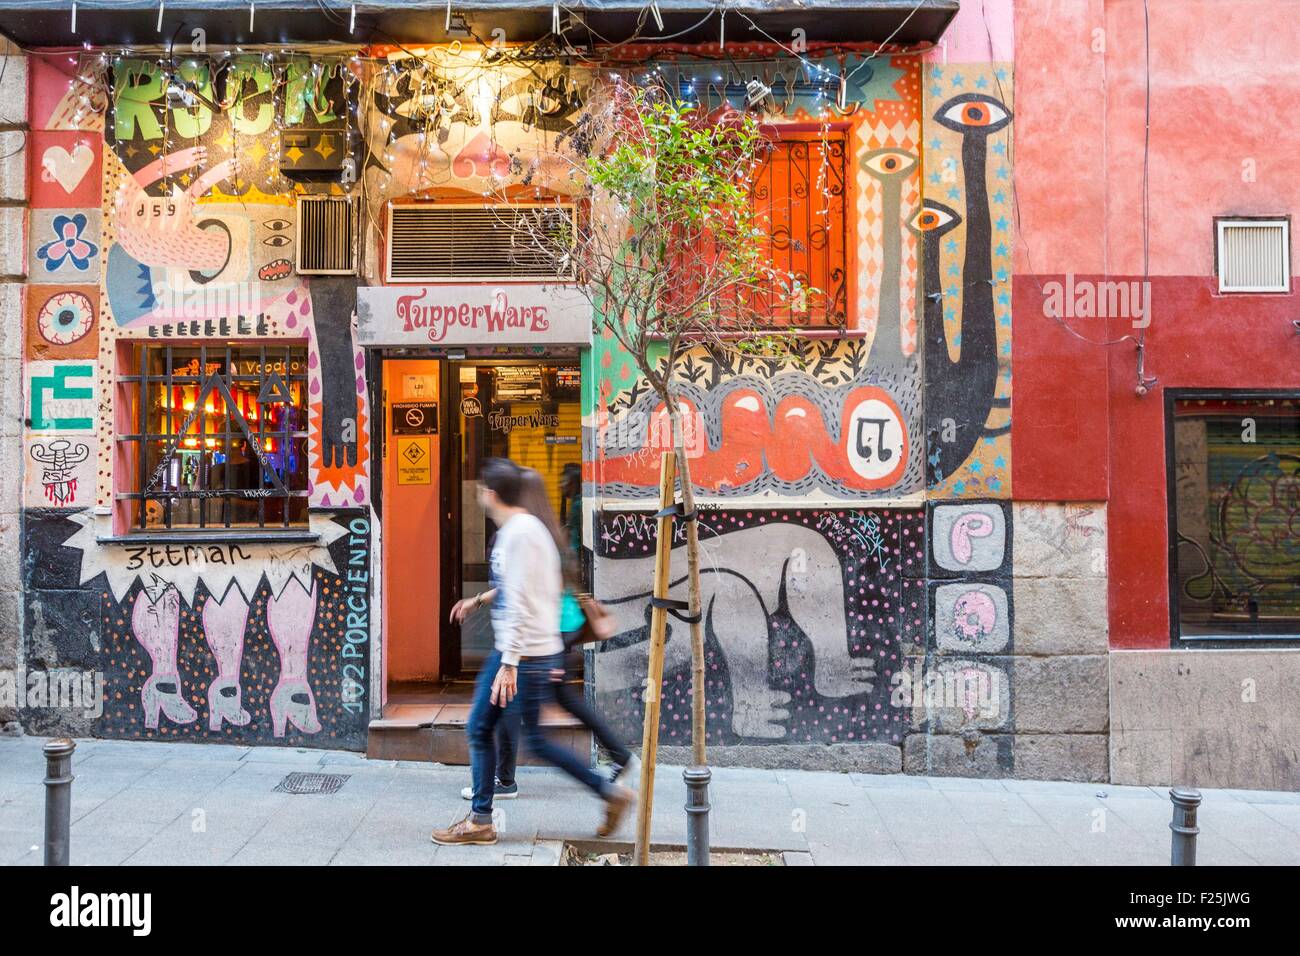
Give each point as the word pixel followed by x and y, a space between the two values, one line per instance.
pixel 290 616
pixel 223 626
pixel 155 620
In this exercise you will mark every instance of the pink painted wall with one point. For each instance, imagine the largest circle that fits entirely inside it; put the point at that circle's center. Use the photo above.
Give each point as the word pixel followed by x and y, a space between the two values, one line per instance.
pixel 1225 88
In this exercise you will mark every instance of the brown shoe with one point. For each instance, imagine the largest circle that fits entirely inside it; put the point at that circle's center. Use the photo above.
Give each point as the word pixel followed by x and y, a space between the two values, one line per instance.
pixel 466 832
pixel 616 804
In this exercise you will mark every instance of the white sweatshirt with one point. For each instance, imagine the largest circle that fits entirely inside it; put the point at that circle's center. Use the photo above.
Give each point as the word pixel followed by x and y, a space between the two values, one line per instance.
pixel 526 611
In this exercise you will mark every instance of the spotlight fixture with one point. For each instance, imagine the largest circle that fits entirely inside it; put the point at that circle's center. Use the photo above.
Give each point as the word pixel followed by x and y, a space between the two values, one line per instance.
pixel 756 91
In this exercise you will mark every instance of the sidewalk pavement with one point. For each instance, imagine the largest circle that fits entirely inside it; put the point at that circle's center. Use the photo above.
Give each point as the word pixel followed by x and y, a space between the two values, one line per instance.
pixel 144 802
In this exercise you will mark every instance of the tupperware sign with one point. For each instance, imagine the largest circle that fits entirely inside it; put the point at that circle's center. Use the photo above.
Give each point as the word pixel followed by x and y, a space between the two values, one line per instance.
pixel 524 314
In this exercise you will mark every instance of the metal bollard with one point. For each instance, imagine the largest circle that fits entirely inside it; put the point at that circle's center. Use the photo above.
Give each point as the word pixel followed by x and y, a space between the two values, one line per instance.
pixel 1182 850
pixel 697 815
pixel 58 799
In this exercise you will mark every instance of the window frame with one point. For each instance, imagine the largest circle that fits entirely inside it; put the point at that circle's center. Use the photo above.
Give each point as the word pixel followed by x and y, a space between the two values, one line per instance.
pixel 1212 641
pixel 128 495
pixel 843 131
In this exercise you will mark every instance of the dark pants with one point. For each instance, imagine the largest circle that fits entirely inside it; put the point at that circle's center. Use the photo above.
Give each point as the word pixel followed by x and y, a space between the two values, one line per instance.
pixel 535 688
pixel 573 700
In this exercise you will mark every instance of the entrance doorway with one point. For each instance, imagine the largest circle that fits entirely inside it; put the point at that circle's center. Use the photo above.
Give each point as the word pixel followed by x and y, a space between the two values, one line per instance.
pixel 442 418
pixel 529 412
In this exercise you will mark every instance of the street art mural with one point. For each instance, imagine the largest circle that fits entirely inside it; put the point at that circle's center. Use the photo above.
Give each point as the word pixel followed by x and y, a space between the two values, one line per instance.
pixel 969 641
pixel 965 228
pixel 162 213
pixel 845 420
pixel 200 214
pixel 805 616
pixel 758 426
pixel 240 642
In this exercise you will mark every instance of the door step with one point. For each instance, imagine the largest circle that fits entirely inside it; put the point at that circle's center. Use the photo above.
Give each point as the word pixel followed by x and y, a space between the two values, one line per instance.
pixel 435 732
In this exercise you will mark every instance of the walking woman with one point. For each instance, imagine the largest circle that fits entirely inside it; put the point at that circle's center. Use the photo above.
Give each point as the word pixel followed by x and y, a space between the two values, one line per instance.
pixel 533 498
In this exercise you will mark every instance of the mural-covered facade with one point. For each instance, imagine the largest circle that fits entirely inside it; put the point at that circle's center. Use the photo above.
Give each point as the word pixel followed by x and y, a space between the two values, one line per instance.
pixel 247 491
pixel 206 467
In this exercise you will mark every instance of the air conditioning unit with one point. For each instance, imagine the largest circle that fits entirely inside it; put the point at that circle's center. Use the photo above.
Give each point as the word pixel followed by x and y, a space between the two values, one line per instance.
pixel 327 235
pixel 1253 255
pixel 480 242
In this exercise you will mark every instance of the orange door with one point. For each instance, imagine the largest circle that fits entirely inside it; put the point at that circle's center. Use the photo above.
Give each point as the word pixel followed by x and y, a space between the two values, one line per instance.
pixel 411 529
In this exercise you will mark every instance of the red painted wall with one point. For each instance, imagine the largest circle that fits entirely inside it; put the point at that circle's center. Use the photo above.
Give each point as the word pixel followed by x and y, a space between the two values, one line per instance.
pixel 1223 92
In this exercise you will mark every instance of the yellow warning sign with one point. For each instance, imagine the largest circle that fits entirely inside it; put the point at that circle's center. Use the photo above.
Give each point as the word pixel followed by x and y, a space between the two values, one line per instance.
pixel 413 461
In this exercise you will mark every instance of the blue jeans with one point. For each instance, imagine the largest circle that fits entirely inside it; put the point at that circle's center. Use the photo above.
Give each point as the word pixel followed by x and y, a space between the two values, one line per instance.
pixel 535 687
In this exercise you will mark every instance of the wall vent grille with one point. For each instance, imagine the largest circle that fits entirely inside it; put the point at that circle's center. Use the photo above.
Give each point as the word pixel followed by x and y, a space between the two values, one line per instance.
pixel 1253 255
pixel 327 235
pixel 450 242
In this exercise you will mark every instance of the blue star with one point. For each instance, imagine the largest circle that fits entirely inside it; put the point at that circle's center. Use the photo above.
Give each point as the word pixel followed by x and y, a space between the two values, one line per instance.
pixel 953 270
pixel 1002 223
pixel 959 488
pixel 1000 73
pixel 951 292
pixel 957 80
pixel 949 314
pixel 1004 299
pixel 1001 275
pixel 1005 320
pixel 1003 172
pixel 952 245
pixel 981 82
pixel 1006 348
pixel 999 462
pixel 954 192
pixel 936 144
pixel 999 196
pixel 995 484
pixel 936 91
pixel 976 467
pixel 1000 148
pixel 935 178
pixel 936 73
pixel 956 340
pixel 1001 250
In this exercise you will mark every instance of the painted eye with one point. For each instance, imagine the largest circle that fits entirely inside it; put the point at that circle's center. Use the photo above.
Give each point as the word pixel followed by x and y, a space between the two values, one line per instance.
pixel 277 225
pixel 973 112
pixel 277 240
pixel 65 318
pixel 888 162
pixel 933 217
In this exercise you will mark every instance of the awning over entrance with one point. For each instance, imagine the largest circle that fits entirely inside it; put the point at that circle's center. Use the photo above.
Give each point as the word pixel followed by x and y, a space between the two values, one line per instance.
pixel 35 23
pixel 519 314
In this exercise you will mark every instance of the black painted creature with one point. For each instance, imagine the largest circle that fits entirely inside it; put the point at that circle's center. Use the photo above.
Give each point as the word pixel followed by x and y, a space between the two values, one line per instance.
pixel 960 394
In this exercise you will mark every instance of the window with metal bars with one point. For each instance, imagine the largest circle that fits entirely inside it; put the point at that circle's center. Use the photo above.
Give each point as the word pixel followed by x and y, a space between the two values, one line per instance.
pixel 800 200
pixel 217 436
pixel 799 203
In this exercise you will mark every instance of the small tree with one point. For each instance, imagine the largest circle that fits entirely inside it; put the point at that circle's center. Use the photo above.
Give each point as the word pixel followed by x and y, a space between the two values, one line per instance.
pixel 672 254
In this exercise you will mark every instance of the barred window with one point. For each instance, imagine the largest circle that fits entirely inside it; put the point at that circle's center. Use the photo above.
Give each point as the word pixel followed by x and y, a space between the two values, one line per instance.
pixel 217 436
pixel 799 197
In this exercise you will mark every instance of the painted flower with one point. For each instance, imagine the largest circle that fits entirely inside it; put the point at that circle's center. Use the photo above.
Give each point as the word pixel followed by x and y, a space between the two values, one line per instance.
pixel 68 245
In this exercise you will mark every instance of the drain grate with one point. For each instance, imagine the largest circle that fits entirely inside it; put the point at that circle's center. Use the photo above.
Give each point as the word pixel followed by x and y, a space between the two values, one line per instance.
pixel 312 783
